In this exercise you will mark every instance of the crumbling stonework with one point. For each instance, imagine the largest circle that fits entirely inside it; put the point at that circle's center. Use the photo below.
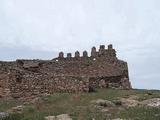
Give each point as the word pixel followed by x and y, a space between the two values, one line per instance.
pixel 24 78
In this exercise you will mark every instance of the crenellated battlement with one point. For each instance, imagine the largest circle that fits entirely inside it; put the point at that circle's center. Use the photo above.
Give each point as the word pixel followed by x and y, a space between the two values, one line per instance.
pixel 99 69
pixel 102 52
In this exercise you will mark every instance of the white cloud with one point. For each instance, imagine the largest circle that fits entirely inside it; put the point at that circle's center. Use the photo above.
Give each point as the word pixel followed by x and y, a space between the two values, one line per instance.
pixel 55 25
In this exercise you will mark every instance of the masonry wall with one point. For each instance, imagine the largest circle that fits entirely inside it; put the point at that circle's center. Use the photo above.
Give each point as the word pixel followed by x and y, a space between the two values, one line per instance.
pixel 25 78
pixel 28 85
pixel 109 82
pixel 4 88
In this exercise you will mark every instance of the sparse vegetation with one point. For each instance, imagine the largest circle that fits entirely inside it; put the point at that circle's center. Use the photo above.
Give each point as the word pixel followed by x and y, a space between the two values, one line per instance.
pixel 79 106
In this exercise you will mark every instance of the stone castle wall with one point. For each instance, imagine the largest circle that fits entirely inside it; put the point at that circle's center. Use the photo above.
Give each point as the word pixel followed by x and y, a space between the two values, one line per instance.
pixel 24 78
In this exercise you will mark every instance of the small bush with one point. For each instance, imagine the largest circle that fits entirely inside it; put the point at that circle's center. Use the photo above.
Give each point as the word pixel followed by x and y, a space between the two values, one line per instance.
pixel 31 109
pixel 117 102
pixel 92 89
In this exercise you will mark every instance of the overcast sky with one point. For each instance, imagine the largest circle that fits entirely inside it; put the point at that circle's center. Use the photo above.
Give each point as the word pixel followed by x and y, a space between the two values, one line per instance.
pixel 42 28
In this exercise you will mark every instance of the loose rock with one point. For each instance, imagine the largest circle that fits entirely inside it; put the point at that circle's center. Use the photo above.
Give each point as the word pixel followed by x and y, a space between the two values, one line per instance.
pixel 154 102
pixel 18 109
pixel 50 118
pixel 103 103
pixel 59 117
pixel 63 117
pixel 129 102
pixel 3 115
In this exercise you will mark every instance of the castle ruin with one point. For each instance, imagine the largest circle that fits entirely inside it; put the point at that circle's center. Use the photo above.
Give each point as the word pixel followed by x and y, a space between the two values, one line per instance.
pixel 25 78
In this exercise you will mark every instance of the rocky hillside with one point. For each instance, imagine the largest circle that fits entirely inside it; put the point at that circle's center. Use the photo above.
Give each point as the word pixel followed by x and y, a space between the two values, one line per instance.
pixel 103 104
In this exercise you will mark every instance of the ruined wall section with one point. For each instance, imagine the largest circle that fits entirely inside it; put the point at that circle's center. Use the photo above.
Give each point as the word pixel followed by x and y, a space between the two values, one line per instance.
pixel 101 63
pixel 102 69
pixel 4 86
pixel 34 84
pixel 4 78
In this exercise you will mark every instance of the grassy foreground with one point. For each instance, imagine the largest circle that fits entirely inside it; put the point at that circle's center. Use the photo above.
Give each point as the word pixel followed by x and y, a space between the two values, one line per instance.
pixel 79 106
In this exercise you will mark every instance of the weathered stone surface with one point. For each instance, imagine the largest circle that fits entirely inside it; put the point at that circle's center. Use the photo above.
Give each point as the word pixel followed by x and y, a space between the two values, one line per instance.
pixel 129 102
pixel 28 78
pixel 63 117
pixel 77 54
pixel 85 54
pixel 154 102
pixel 3 115
pixel 103 103
pixel 59 117
pixel 61 55
pixel 120 119
pixel 50 118
pixel 17 109
pixel 93 52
